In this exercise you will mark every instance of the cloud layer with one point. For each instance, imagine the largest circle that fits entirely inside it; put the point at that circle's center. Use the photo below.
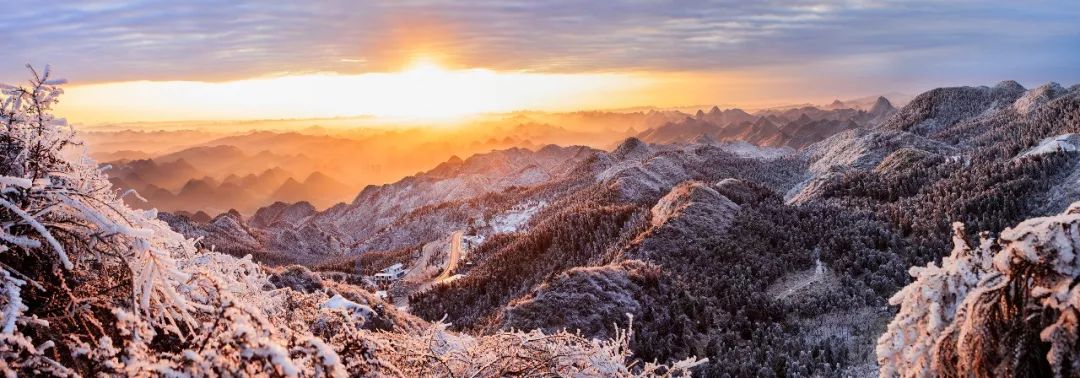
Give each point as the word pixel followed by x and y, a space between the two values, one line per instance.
pixel 851 42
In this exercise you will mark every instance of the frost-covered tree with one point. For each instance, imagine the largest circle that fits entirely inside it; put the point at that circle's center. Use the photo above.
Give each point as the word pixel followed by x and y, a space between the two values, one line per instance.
pixel 89 286
pixel 1008 308
pixel 930 304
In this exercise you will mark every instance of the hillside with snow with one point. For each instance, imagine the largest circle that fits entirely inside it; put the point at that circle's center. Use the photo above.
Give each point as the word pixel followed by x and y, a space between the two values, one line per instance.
pixel 747 251
pixel 92 287
pixel 801 241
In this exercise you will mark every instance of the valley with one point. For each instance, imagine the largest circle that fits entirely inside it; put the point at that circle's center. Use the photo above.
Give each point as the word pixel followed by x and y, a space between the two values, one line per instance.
pixel 742 253
pixel 587 189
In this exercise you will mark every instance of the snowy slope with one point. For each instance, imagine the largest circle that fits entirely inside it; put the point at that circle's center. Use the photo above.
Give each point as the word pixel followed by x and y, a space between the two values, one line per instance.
pixel 1061 143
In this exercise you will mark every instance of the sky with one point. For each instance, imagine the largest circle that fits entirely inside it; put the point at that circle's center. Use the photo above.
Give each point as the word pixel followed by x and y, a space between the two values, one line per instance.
pixel 217 59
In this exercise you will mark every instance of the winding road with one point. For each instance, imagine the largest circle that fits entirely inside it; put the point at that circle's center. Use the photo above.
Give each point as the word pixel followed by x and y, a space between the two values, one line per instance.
pixel 455 255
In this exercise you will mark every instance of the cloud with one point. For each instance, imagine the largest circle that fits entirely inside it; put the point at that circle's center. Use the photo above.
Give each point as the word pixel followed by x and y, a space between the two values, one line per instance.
pixel 223 40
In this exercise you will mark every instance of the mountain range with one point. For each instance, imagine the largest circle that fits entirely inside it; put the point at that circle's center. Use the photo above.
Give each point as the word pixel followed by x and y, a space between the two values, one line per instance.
pixel 172 183
pixel 762 259
pixel 792 127
pixel 196 170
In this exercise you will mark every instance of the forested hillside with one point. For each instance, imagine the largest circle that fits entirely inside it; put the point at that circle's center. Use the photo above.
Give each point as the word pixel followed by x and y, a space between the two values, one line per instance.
pixel 768 262
pixel 724 258
pixel 766 285
pixel 92 287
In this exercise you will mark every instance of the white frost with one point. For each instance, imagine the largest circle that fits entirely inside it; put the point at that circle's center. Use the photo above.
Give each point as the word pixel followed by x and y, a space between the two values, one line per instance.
pixel 1060 143
pixel 515 219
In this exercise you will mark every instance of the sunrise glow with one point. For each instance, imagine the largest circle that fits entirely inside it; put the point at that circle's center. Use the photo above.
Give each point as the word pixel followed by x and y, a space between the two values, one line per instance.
pixel 618 188
pixel 421 90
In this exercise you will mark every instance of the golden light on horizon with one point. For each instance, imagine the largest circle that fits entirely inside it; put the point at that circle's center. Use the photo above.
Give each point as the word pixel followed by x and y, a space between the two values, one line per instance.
pixel 422 90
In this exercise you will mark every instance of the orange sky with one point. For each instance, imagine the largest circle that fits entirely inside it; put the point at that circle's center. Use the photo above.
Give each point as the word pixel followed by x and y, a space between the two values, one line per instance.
pixel 169 61
pixel 423 90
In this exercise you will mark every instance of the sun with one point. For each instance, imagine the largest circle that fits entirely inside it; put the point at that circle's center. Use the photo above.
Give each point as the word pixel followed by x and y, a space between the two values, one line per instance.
pixel 422 90
pixel 424 67
pixel 425 89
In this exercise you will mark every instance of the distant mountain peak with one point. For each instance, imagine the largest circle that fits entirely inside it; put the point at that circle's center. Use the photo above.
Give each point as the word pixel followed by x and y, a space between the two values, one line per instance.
pixel 881 106
pixel 290 182
pixel 1051 86
pixel 700 114
pixel 764 122
pixel 274 172
pixel 737 111
pixel 317 177
pixel 1038 97
pixel 631 148
pixel 1010 85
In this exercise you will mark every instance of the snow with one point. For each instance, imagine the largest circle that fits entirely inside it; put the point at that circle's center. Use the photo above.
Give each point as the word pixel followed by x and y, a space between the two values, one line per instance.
pixel 748 150
pixel 926 305
pixel 515 219
pixel 799 282
pixel 37 226
pixel 20 182
pixel 358 311
pixel 943 107
pixel 945 310
pixel 679 198
pixel 280 358
pixel 327 355
pixel 14 306
pixel 582 299
pixel 222 310
pixel 379 206
pixel 1035 98
pixel 1060 143
pixel 471 241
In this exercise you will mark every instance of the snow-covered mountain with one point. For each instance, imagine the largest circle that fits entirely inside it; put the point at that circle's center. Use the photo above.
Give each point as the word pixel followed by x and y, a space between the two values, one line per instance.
pixel 747 254
pixel 949 123
pixel 793 127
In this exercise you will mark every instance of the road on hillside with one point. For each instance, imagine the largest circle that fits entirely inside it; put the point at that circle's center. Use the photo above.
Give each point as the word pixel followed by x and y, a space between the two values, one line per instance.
pixel 455 255
pixel 818 275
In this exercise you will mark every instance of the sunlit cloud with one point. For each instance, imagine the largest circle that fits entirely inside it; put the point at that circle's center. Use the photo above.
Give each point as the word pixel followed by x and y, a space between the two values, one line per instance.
pixel 723 51
pixel 422 91
pixel 226 40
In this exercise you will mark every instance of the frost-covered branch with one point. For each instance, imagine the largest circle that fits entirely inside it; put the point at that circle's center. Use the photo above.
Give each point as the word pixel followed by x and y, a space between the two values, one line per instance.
pixel 91 287
pixel 1009 307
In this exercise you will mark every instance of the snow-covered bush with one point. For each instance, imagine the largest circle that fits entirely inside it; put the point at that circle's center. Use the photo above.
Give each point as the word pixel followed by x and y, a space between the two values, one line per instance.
pixel 89 286
pixel 1008 308
pixel 930 305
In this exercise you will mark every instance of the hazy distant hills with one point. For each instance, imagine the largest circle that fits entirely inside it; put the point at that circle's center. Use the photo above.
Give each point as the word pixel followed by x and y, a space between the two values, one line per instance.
pixel 791 127
pixel 173 183
pixel 749 255
pixel 189 170
pixel 374 220
pixel 317 188
pixel 245 171
pixel 249 170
